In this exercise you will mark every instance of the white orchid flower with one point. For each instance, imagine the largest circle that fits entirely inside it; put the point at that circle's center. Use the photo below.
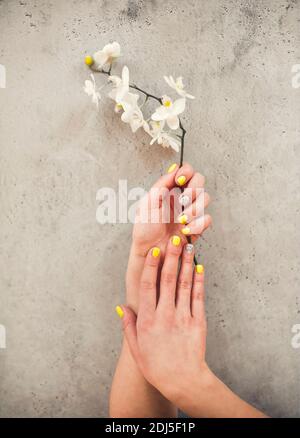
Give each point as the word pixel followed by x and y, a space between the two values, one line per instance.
pixel 107 55
pixel 91 90
pixel 178 86
pixel 169 111
pixel 168 140
pixel 132 113
pixel 121 86
pixel 161 137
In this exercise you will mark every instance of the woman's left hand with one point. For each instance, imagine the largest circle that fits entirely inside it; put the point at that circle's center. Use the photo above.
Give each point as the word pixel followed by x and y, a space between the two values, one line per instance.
pixel 168 337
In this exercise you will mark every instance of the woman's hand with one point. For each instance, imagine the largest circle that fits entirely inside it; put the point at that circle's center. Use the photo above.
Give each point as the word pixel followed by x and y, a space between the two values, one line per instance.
pixel 152 232
pixel 163 218
pixel 167 339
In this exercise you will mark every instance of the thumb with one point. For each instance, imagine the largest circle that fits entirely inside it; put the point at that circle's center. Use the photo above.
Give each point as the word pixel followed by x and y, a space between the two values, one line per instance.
pixel 129 327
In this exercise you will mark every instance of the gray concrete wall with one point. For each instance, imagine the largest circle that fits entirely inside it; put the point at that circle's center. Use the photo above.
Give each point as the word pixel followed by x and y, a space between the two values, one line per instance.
pixel 62 273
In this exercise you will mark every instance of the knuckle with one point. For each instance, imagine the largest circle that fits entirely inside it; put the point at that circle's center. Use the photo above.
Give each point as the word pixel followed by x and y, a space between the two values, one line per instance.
pixel 168 277
pixel 144 325
pixel 148 284
pixel 151 262
pixel 185 284
pixel 184 320
pixel 198 295
pixel 173 251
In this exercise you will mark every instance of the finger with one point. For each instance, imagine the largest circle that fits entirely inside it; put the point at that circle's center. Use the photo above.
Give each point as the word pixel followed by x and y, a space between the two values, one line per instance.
pixel 196 209
pixel 195 186
pixel 184 174
pixel 197 181
pixel 168 276
pixel 193 189
pixel 160 191
pixel 198 297
pixel 167 180
pixel 197 226
pixel 147 298
pixel 129 327
pixel 185 281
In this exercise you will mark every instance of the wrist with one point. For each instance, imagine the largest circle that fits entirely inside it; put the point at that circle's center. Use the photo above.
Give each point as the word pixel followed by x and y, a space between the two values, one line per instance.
pixel 199 380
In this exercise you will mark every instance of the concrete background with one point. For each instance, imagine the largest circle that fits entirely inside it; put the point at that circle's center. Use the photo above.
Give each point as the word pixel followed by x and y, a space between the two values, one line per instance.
pixel 62 273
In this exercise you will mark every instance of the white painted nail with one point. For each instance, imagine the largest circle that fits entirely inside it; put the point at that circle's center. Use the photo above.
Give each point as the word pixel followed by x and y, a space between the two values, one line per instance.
pixel 189 247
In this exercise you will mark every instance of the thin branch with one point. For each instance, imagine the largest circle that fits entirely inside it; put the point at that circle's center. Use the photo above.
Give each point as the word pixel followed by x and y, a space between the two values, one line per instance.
pixel 182 142
pixel 158 99
pixel 148 95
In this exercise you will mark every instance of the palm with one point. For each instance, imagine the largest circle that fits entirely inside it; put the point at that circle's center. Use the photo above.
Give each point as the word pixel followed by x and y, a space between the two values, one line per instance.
pixel 150 234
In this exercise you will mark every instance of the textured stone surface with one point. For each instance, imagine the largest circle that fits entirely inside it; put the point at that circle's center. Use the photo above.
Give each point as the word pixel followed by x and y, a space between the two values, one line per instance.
pixel 62 273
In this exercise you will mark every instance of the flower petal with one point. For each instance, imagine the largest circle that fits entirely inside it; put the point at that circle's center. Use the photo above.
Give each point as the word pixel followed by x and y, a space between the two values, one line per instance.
pixel 171 141
pixel 178 106
pixel 173 122
pixel 125 75
pixel 161 113
pixel 100 58
pixel 115 49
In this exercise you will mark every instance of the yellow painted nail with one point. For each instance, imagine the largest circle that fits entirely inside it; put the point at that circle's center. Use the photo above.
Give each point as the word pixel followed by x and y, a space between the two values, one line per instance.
pixel 172 167
pixel 89 60
pixel 155 251
pixel 199 269
pixel 181 180
pixel 186 230
pixel 119 311
pixel 183 219
pixel 176 240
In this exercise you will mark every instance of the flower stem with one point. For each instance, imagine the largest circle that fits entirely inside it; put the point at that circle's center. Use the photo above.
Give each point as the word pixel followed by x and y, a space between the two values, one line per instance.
pixel 182 142
pixel 158 99
pixel 148 95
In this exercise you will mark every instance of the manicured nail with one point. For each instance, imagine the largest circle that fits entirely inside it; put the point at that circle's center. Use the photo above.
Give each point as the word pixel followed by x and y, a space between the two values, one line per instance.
pixel 189 247
pixel 199 269
pixel 155 251
pixel 184 200
pixel 176 240
pixel 186 231
pixel 181 180
pixel 119 311
pixel 172 167
pixel 183 219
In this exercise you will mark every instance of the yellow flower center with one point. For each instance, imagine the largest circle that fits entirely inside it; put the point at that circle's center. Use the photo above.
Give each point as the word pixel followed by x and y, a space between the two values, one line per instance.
pixel 167 103
pixel 89 60
pixel 119 106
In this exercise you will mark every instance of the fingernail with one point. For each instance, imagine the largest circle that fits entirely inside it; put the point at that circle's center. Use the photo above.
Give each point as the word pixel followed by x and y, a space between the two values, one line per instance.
pixel 172 167
pixel 181 180
pixel 199 269
pixel 183 200
pixel 183 219
pixel 189 247
pixel 119 311
pixel 186 231
pixel 176 240
pixel 155 251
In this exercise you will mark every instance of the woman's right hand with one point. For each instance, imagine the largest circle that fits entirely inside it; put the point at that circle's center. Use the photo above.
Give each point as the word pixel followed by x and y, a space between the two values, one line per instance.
pixel 157 218
pixel 167 338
